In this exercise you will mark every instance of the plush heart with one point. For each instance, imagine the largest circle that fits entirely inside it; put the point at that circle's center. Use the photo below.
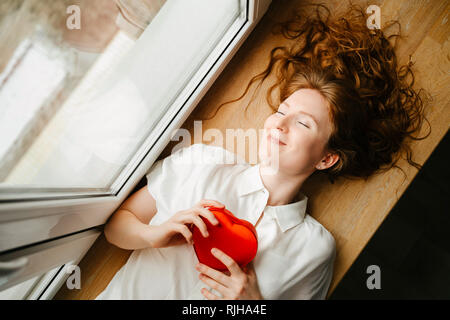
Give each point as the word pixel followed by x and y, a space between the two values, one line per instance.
pixel 235 237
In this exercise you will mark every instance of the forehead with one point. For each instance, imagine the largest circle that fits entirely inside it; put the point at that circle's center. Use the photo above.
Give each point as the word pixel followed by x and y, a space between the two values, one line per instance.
pixel 308 100
pixel 311 102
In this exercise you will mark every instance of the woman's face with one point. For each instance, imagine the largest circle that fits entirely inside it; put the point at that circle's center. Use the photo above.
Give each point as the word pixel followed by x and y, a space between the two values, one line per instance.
pixel 298 132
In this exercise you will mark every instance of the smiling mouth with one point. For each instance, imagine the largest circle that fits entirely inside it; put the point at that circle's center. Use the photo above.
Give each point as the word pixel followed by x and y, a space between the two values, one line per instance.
pixel 275 140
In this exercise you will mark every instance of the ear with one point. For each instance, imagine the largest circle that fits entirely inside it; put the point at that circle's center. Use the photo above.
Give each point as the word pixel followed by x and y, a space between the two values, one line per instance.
pixel 327 161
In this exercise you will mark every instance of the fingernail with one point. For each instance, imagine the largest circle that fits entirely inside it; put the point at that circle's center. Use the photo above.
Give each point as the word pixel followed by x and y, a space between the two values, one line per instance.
pixel 213 250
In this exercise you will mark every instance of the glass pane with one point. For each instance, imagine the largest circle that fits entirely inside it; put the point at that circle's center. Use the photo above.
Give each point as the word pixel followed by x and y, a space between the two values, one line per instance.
pixel 83 83
pixel 20 291
pixel 29 289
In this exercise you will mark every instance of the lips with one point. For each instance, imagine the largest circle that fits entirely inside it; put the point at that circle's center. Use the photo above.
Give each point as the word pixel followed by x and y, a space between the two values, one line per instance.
pixel 275 140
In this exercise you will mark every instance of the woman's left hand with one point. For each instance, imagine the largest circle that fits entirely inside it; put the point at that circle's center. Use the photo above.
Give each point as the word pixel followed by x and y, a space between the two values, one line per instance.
pixel 238 285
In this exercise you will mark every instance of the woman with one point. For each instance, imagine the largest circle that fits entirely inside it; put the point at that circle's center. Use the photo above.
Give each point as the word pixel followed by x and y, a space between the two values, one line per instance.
pixel 346 110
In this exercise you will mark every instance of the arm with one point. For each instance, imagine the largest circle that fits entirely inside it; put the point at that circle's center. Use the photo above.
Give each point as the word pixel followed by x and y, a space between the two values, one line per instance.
pixel 128 227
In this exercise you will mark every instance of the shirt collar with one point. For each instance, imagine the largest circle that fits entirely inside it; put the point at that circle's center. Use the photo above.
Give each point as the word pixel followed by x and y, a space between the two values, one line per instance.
pixel 251 181
pixel 288 215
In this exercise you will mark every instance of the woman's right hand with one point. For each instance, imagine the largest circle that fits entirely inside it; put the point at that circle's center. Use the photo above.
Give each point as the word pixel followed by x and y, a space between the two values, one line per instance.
pixel 177 229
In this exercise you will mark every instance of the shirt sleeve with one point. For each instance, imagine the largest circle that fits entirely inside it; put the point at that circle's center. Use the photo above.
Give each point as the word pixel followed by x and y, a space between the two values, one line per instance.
pixel 169 176
pixel 313 278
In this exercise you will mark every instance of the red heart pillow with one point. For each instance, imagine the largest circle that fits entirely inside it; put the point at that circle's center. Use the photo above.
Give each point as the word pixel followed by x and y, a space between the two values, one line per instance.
pixel 235 237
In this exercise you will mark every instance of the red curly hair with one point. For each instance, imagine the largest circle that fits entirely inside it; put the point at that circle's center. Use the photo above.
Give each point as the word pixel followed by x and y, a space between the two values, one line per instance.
pixel 372 104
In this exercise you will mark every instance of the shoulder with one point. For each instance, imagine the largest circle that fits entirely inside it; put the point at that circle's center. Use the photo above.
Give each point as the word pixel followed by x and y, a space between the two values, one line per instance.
pixel 320 240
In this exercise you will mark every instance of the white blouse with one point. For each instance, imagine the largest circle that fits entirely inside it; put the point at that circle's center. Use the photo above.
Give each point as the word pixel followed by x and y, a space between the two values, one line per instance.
pixel 295 252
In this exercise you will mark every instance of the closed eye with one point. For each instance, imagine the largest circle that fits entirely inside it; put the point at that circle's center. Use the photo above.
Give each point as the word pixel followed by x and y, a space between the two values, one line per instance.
pixel 303 124
pixel 279 112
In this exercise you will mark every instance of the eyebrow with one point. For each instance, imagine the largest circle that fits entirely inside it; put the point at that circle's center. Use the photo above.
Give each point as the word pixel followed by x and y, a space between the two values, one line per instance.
pixel 305 113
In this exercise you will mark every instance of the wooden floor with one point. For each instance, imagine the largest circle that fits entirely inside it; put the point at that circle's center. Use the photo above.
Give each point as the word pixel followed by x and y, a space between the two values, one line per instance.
pixel 351 210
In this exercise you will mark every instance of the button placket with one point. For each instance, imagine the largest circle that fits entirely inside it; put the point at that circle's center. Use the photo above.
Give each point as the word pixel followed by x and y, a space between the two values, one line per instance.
pixel 266 198
pixel 270 212
pixel 261 205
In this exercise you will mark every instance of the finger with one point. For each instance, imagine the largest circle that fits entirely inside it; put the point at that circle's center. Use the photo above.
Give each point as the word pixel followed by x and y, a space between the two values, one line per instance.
pixel 208 295
pixel 183 230
pixel 231 265
pixel 208 215
pixel 191 217
pixel 213 284
pixel 214 274
pixel 200 225
pixel 178 217
pixel 205 202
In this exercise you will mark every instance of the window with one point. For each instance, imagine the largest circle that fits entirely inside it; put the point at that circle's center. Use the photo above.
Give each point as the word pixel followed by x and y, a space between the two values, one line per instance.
pixel 73 121
pixel 90 94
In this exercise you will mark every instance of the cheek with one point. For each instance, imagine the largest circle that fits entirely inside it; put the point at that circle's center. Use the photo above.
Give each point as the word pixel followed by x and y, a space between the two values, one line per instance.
pixel 307 148
pixel 304 140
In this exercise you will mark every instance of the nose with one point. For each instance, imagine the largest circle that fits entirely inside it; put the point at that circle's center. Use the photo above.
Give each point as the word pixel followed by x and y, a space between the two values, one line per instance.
pixel 282 124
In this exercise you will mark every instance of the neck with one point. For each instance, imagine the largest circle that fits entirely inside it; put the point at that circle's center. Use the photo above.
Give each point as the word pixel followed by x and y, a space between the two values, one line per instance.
pixel 283 188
